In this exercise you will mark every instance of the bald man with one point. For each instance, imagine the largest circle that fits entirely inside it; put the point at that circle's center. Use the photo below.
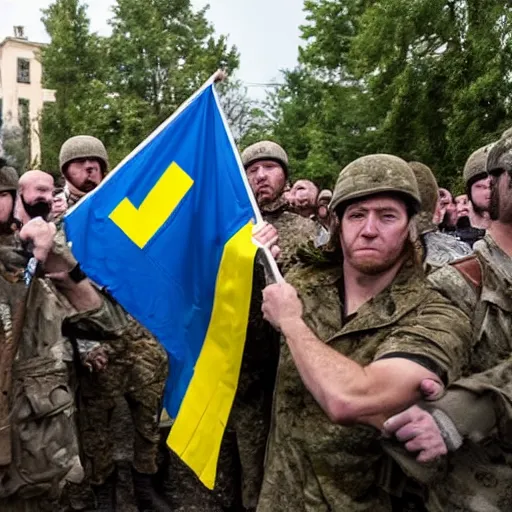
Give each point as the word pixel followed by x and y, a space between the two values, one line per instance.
pixel 35 196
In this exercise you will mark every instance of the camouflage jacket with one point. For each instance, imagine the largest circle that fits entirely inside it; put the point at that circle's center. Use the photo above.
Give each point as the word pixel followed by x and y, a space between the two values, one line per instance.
pixel 441 248
pixel 477 476
pixel 294 231
pixel 313 464
pixel 42 408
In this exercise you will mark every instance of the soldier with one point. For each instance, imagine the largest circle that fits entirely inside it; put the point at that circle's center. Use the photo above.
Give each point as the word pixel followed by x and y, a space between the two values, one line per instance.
pixel 473 419
pixel 38 441
pixel 137 367
pixel 364 320
pixel 266 165
pixel 323 218
pixel 440 248
pixel 8 187
pixel 478 187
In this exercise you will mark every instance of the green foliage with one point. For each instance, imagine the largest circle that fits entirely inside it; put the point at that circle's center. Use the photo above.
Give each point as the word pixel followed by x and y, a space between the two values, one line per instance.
pixel 426 80
pixel 120 88
pixel 71 63
pixel 160 52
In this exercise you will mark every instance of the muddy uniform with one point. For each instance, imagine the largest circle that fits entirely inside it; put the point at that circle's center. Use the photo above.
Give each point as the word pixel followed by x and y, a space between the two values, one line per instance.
pixel 313 464
pixel 137 370
pixel 44 442
pixel 294 231
pixel 478 475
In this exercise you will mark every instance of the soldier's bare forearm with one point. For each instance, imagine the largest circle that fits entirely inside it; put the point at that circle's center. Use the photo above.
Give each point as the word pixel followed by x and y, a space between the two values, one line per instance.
pixel 82 296
pixel 347 391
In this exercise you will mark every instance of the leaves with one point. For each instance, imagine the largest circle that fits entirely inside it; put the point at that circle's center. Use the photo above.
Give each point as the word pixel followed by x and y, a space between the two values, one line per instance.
pixel 120 88
pixel 424 79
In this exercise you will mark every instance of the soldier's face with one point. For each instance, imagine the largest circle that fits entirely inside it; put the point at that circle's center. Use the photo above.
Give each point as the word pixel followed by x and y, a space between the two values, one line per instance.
pixel 84 174
pixel 267 180
pixel 481 194
pixel 37 195
pixel 6 206
pixel 373 233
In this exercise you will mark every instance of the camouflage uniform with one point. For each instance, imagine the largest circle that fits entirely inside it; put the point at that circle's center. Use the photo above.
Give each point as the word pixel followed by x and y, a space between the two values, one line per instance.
pixel 477 410
pixel 45 452
pixel 440 248
pixel 313 464
pixel 137 370
pixel 479 473
pixel 295 232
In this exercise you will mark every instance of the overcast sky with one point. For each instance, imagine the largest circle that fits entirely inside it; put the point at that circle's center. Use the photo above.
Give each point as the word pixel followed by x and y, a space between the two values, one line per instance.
pixel 266 32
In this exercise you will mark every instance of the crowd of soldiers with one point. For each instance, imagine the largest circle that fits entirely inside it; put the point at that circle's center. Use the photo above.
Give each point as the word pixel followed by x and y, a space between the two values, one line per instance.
pixel 377 376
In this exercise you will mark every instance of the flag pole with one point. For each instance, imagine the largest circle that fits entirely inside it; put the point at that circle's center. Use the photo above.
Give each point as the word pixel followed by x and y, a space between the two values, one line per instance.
pixel 268 260
pixel 218 75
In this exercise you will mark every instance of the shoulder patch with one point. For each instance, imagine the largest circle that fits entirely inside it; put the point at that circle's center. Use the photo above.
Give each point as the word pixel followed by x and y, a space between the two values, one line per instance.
pixel 470 268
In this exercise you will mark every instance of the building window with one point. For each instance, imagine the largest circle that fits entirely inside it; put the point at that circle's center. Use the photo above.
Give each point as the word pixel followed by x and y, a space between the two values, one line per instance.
pixel 23 71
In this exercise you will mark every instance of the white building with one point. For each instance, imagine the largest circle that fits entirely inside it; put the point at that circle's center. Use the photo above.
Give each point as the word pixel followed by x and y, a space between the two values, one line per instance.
pixel 21 94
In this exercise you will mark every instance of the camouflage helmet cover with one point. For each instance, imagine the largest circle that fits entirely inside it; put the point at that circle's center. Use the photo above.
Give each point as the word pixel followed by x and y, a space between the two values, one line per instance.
pixel 375 174
pixel 83 146
pixel 8 177
pixel 476 165
pixel 265 150
pixel 500 156
pixel 429 192
pixel 507 133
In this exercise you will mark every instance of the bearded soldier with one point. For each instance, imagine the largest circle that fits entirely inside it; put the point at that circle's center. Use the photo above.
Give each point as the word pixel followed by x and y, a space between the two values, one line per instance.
pixel 266 165
pixel 478 187
pixel 137 367
pixel 38 440
pixel 364 333
pixel 472 421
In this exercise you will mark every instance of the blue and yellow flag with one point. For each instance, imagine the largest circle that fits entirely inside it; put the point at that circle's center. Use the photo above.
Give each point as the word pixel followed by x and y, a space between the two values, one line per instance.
pixel 168 233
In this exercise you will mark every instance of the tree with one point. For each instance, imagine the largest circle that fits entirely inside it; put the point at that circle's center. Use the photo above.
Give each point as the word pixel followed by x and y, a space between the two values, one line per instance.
pixel 160 52
pixel 120 88
pixel 245 116
pixel 72 65
pixel 424 79
pixel 13 148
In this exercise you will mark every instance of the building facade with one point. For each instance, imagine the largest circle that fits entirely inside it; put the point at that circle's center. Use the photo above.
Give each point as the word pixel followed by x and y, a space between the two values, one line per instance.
pixel 21 92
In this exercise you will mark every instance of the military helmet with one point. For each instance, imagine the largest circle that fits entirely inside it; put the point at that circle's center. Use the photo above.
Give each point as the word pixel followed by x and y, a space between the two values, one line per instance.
pixel 265 150
pixel 429 193
pixel 500 156
pixel 507 133
pixel 83 146
pixel 375 174
pixel 8 177
pixel 476 165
